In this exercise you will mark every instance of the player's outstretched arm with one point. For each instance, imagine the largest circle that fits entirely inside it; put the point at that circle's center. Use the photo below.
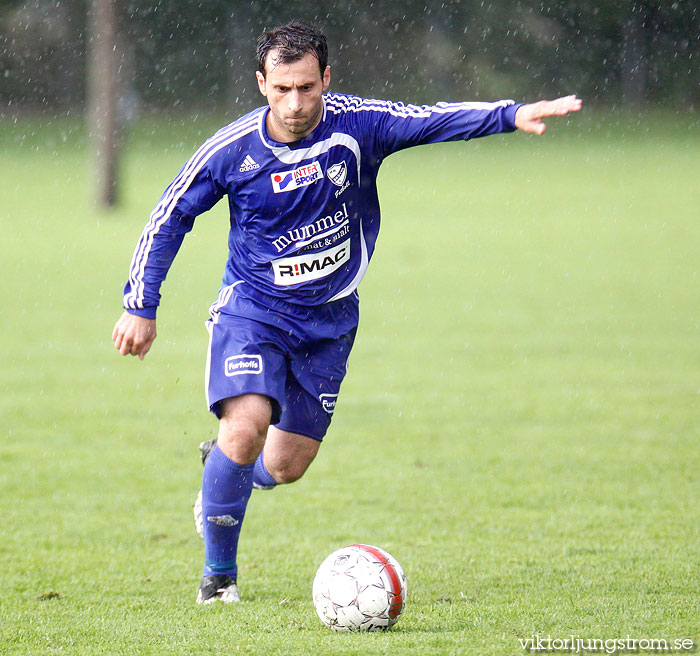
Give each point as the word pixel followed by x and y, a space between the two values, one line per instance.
pixel 528 118
pixel 133 335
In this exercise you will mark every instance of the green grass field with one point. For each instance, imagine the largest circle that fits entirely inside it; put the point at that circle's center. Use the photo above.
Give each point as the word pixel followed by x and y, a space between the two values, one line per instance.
pixel 519 426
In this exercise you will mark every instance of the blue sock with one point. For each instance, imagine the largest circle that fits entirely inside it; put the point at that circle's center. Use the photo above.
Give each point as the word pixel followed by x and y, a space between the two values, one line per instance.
pixel 226 488
pixel 261 477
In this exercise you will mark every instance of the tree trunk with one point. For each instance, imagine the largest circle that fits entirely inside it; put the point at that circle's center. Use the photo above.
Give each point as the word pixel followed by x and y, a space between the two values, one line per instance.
pixel 103 96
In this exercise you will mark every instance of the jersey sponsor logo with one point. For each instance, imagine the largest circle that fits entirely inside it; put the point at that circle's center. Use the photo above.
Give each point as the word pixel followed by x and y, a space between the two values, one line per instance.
pixel 291 180
pixel 328 402
pixel 302 268
pixel 320 228
pixel 243 364
pixel 248 164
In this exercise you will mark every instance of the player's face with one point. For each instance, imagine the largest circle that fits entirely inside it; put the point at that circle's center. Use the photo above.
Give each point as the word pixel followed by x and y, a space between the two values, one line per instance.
pixel 293 92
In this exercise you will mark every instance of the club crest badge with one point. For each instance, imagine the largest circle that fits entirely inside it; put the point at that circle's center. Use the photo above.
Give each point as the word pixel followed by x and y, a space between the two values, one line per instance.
pixel 337 173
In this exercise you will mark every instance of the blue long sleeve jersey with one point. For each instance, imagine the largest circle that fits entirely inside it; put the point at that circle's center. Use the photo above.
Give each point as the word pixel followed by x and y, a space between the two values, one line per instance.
pixel 304 215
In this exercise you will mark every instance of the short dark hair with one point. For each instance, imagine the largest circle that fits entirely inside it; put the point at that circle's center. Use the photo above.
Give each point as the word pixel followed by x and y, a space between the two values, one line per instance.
pixel 293 40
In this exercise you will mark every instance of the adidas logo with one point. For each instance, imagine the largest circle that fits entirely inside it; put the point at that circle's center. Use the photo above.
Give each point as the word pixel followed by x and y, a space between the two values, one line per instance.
pixel 249 164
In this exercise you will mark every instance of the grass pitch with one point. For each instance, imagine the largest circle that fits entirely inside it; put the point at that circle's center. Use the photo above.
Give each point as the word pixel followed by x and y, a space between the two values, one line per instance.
pixel 519 426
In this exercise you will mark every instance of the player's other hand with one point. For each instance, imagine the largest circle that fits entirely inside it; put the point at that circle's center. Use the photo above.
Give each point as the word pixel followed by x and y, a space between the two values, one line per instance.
pixel 528 118
pixel 133 335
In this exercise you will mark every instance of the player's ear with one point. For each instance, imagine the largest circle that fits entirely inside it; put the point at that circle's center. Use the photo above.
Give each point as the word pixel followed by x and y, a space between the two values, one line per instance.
pixel 261 83
pixel 326 78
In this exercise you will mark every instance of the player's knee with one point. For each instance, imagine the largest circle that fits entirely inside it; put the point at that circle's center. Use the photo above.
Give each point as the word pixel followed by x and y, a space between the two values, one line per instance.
pixel 243 427
pixel 241 441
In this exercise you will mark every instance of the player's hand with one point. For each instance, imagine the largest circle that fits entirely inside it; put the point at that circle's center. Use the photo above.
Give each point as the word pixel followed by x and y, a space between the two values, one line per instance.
pixel 133 335
pixel 528 118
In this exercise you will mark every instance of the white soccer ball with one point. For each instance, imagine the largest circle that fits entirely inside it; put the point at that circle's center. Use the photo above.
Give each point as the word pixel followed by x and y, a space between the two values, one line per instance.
pixel 359 588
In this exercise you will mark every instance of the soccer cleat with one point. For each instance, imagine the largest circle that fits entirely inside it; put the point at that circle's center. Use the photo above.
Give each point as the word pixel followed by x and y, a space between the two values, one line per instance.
pixel 205 448
pixel 198 521
pixel 218 587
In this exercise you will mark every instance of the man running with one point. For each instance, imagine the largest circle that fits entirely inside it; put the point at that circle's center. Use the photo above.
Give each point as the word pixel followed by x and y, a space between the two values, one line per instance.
pixel 300 175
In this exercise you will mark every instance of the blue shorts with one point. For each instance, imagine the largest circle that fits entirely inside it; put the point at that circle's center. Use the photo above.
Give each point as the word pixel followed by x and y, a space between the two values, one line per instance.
pixel 295 355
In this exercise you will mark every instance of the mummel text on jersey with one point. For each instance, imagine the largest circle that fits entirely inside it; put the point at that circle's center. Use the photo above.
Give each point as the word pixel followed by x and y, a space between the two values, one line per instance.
pixel 304 216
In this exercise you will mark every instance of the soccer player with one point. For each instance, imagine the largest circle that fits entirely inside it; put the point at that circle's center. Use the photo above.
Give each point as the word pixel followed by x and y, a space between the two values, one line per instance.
pixel 300 176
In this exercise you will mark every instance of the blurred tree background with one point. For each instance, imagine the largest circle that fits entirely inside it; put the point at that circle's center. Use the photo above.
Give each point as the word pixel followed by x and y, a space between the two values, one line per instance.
pixel 198 55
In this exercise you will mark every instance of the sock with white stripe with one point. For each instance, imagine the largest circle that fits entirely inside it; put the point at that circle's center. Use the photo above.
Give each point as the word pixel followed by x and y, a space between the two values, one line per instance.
pixel 226 488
